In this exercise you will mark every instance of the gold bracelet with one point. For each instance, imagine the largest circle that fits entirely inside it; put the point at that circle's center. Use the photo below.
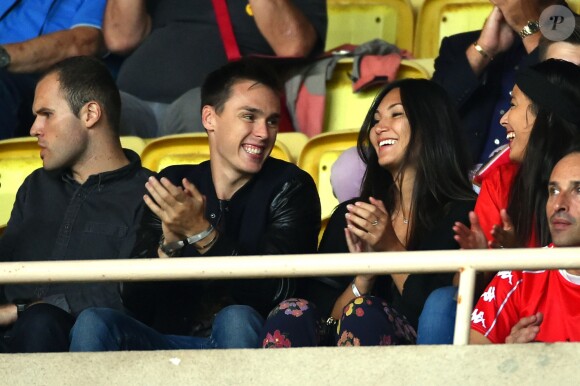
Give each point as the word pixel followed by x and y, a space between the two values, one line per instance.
pixel 483 53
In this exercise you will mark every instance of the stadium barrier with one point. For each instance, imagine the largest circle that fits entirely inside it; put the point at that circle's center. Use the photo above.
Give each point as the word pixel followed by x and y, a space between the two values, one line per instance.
pixel 467 263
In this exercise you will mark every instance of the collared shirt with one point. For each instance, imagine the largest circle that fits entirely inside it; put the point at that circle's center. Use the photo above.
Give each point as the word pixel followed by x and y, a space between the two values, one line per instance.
pixel 22 20
pixel 56 218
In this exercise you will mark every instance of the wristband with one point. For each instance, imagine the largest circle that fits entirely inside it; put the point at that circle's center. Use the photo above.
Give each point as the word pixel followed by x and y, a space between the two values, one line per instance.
pixel 209 243
pixel 482 52
pixel 355 290
pixel 171 249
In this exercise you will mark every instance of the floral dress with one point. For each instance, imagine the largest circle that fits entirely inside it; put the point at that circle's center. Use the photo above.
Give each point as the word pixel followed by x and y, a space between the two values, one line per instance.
pixel 365 321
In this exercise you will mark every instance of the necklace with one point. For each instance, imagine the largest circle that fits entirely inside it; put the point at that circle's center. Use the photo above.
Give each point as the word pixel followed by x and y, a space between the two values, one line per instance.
pixel 396 215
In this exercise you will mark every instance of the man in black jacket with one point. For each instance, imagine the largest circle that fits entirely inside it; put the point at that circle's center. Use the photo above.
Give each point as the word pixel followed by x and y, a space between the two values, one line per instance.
pixel 82 204
pixel 240 202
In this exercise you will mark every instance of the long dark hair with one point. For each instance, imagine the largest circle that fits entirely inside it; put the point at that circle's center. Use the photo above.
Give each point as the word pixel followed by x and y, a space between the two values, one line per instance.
pixel 435 146
pixel 549 140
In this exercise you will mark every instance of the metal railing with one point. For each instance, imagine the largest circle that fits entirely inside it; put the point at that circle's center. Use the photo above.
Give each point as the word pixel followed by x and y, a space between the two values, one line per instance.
pixel 466 262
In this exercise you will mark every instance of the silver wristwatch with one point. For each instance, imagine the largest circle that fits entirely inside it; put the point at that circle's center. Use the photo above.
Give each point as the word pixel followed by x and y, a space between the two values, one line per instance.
pixel 4 58
pixel 529 29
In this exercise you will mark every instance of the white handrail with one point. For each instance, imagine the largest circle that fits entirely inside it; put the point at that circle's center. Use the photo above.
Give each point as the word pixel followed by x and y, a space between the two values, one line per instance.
pixel 231 267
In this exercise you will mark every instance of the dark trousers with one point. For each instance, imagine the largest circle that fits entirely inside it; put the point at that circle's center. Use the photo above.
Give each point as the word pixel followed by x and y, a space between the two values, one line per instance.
pixel 40 328
pixel 16 97
pixel 365 321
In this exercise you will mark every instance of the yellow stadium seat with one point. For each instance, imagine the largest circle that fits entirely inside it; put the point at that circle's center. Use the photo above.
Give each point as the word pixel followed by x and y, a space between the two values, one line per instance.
pixel 416 4
pixel 416 68
pixel 137 144
pixel 345 110
pixel 574 5
pixel 191 148
pixel 294 142
pixel 18 158
pixel 359 21
pixel 21 156
pixel 317 158
pixel 440 18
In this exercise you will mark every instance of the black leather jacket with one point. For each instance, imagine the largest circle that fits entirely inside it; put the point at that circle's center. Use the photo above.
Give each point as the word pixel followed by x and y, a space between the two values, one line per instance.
pixel 277 212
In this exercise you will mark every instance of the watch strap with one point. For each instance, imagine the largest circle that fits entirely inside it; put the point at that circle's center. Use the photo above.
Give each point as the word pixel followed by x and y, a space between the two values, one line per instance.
pixel 531 28
pixel 22 305
pixel 5 59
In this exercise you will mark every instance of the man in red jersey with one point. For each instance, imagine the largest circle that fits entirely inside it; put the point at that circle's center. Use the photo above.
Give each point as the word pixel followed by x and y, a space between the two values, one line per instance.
pixel 538 306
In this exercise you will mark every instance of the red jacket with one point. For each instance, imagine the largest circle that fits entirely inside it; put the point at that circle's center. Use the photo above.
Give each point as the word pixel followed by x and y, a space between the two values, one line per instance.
pixel 494 196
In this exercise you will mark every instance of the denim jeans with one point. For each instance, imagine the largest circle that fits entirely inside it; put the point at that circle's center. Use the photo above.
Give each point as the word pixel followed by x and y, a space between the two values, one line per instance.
pixel 104 329
pixel 437 320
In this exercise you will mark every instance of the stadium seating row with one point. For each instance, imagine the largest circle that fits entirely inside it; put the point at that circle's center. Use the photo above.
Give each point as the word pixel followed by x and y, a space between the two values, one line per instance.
pixel 20 156
pixel 350 21
pixel 345 110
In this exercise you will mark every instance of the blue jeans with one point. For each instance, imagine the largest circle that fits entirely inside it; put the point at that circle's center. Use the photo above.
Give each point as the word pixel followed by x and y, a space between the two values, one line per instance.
pixel 437 320
pixel 104 329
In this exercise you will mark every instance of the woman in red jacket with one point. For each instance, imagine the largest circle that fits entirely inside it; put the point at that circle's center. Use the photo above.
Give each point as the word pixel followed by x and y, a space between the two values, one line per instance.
pixel 542 121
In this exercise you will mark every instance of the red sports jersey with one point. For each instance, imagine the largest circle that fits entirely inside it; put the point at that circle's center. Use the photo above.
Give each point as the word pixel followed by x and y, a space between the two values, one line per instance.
pixel 512 295
pixel 494 196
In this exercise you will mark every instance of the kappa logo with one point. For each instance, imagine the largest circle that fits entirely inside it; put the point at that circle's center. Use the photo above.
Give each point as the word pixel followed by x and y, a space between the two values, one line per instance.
pixel 477 317
pixel 489 295
pixel 505 275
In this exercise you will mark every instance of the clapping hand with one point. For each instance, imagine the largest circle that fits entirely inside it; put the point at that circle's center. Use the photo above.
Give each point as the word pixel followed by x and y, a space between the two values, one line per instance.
pixel 472 237
pixel 181 209
pixel 369 228
pixel 504 236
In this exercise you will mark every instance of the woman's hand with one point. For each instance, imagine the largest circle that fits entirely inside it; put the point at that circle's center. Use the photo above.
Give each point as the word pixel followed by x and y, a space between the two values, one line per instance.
pixel 369 228
pixel 504 236
pixel 472 237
